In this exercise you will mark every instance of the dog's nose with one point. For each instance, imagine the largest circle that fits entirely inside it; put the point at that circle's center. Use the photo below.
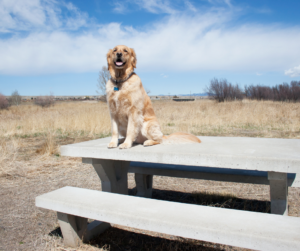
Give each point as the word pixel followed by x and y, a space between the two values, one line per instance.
pixel 119 55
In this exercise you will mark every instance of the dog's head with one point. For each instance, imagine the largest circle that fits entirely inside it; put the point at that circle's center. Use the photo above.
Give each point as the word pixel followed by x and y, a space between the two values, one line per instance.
pixel 121 58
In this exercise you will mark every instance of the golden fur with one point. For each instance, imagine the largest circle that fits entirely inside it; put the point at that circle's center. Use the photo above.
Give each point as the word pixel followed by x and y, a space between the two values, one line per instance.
pixel 131 111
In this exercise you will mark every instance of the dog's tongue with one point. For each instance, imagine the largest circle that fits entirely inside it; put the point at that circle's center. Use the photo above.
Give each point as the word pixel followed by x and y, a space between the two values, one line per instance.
pixel 119 63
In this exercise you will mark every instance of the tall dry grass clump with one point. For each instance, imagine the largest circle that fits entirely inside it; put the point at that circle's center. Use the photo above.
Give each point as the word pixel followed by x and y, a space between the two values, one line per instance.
pixel 49 145
pixel 9 166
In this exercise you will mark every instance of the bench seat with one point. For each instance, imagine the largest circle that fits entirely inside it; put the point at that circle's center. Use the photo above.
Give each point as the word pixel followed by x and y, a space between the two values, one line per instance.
pixel 245 229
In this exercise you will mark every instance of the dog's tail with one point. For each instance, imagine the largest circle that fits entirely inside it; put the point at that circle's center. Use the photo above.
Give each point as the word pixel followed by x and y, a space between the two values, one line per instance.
pixel 180 137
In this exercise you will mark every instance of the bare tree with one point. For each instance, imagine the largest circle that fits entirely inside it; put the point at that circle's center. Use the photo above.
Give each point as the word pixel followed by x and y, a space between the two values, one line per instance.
pixel 295 90
pixel 44 101
pixel 222 90
pixel 3 102
pixel 15 98
pixel 103 77
pixel 147 90
pixel 283 92
pixel 260 92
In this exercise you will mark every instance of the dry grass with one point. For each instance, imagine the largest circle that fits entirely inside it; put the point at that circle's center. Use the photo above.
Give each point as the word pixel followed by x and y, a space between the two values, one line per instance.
pixel 49 146
pixel 202 117
pixel 9 166
pixel 240 118
pixel 30 165
pixel 63 119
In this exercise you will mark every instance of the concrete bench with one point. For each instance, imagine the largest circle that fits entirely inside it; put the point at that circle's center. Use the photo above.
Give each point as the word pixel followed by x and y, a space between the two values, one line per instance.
pixel 252 230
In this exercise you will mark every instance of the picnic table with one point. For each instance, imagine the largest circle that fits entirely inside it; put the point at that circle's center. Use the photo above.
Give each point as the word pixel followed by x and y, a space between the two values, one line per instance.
pixel 275 162
pixel 253 160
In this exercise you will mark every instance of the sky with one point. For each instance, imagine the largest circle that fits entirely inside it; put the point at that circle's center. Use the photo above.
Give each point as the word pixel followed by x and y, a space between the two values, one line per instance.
pixel 58 47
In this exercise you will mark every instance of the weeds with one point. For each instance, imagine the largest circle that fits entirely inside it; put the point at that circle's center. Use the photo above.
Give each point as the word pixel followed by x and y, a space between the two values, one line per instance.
pixel 171 124
pixel 49 147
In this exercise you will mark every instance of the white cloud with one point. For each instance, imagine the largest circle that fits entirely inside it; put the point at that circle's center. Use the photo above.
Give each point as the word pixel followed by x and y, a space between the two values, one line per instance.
pixel 152 6
pixel 25 15
pixel 228 2
pixel 190 6
pixel 163 6
pixel 18 14
pixel 77 19
pixel 218 2
pixel 120 7
pixel 199 42
pixel 293 72
pixel 156 6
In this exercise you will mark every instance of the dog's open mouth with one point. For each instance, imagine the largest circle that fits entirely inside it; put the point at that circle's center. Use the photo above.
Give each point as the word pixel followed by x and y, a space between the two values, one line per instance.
pixel 119 63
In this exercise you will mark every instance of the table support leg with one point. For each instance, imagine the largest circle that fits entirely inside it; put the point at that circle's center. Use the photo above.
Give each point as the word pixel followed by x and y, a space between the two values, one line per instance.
pixel 76 229
pixel 113 176
pixel 144 185
pixel 278 193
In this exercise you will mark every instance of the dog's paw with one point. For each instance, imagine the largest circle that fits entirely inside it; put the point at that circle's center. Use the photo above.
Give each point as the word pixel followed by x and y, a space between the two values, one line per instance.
pixel 125 145
pixel 148 142
pixel 112 144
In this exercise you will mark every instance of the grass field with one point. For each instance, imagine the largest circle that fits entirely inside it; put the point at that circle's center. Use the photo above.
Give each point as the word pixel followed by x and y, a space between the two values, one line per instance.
pixel 202 117
pixel 30 164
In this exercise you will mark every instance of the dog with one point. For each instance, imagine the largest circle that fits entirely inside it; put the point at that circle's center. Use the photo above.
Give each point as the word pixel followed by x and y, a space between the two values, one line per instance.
pixel 131 111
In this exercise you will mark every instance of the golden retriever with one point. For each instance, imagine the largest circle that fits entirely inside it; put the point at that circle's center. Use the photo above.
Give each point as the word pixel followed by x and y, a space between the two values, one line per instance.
pixel 131 111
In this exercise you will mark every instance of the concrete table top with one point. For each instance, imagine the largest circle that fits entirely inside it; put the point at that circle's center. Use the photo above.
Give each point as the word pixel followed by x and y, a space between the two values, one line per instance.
pixel 263 154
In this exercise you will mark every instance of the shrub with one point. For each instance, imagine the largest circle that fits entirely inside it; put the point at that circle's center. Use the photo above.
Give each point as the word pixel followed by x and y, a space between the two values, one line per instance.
pixel 44 101
pixel 3 102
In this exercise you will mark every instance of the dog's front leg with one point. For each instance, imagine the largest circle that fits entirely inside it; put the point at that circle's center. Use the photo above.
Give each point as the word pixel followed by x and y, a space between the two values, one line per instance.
pixel 115 134
pixel 133 127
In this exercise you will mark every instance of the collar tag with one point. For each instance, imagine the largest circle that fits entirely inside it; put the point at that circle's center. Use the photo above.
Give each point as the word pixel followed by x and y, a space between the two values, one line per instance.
pixel 116 88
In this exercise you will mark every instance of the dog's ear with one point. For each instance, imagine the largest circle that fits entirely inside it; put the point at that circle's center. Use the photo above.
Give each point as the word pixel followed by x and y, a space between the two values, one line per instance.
pixel 133 58
pixel 108 57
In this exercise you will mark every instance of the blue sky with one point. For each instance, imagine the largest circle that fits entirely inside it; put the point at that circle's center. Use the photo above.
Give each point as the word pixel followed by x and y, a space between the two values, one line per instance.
pixel 50 46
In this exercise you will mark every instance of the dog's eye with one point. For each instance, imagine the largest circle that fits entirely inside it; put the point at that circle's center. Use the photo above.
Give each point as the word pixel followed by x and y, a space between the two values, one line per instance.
pixel 115 50
pixel 125 50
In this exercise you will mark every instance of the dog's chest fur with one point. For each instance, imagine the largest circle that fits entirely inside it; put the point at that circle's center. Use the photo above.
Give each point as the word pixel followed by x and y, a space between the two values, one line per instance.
pixel 121 101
